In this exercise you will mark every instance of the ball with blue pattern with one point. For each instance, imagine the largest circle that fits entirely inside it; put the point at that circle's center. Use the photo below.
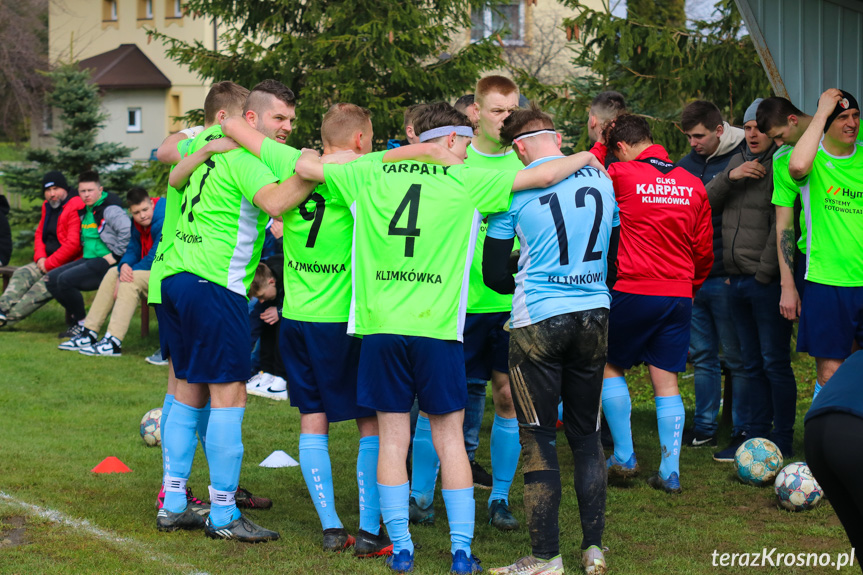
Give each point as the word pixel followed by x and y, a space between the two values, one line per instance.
pixel 796 487
pixel 757 461
pixel 150 427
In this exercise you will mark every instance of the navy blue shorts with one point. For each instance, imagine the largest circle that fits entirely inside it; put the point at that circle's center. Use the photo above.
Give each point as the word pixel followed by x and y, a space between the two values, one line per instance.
pixel 163 328
pixel 649 328
pixel 395 368
pixel 321 361
pixel 486 344
pixel 831 320
pixel 207 330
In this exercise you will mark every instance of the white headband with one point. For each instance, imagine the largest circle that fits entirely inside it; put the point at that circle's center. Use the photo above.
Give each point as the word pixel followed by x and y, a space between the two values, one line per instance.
pixel 532 134
pixel 446 131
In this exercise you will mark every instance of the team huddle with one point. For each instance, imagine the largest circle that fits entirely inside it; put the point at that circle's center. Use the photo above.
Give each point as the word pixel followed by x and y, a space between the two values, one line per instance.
pixel 402 291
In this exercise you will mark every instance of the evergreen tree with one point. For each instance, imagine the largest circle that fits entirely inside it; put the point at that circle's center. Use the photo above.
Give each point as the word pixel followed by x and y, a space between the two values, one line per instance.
pixel 80 119
pixel 381 54
pixel 658 67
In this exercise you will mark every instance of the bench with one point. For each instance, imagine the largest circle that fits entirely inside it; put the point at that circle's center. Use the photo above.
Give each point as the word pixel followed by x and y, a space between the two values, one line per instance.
pixel 7 271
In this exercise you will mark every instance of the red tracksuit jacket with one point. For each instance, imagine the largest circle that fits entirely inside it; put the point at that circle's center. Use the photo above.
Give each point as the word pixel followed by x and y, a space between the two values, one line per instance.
pixel 666 237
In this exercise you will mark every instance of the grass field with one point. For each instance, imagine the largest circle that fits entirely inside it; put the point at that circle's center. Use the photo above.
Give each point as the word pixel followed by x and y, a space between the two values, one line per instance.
pixel 63 413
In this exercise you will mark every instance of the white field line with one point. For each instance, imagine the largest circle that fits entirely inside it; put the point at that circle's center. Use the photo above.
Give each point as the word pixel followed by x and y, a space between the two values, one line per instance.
pixel 86 526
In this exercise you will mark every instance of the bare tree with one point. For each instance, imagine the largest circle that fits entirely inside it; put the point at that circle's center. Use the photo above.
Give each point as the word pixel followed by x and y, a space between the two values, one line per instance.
pixel 23 53
pixel 537 59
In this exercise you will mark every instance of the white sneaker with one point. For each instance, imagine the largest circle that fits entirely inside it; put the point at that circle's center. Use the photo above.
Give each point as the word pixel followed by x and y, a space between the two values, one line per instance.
pixel 260 380
pixel 593 561
pixel 86 339
pixel 105 347
pixel 531 565
pixel 276 388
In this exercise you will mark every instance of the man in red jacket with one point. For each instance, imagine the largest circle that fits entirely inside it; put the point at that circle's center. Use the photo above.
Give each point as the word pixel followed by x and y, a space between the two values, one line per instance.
pixel 57 242
pixel 665 254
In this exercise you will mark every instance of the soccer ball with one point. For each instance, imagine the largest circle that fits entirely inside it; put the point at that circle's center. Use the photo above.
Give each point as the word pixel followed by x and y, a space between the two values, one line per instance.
pixel 757 461
pixel 796 487
pixel 150 427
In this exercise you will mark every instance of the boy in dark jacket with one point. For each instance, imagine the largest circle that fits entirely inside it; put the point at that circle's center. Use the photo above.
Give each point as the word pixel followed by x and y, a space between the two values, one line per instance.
pixel 269 289
pixel 743 193
pixel 124 284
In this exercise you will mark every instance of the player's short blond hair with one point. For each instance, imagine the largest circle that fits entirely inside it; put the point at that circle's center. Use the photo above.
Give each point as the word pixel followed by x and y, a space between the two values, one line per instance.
pixel 226 96
pixel 342 121
pixel 499 84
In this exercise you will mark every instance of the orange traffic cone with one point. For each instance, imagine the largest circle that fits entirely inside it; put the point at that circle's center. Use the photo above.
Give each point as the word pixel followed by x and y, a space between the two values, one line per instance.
pixel 111 465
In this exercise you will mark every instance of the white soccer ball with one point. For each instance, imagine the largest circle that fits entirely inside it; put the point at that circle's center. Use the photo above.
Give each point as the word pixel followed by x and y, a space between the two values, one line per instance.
pixel 151 431
pixel 796 487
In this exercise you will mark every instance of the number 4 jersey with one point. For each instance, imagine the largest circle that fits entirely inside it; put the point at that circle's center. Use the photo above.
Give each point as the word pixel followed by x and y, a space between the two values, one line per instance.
pixel 414 235
pixel 564 233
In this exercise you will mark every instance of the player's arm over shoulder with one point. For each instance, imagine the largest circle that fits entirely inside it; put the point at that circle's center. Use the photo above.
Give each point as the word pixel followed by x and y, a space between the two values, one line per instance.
pixel 554 171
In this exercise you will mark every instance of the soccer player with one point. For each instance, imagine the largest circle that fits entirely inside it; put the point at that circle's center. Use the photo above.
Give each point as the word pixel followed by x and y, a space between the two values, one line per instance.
pixel 559 335
pixel 782 121
pixel 486 344
pixel 604 108
pixel 827 165
pixel 216 250
pixel 666 252
pixel 224 99
pixel 409 296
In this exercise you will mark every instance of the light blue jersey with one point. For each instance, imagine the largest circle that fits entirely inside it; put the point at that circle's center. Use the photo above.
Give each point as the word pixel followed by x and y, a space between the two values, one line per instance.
pixel 564 233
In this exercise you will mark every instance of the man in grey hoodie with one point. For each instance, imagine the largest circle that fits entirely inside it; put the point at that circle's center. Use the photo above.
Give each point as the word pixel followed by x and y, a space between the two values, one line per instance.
pixel 713 143
pixel 766 399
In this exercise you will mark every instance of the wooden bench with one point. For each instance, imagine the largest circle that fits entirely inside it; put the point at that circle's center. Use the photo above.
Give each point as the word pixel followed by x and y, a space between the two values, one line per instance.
pixel 7 271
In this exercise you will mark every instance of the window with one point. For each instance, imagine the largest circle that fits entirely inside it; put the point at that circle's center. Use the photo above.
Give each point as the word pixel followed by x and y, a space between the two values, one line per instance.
pixel 145 9
pixel 109 10
pixel 173 9
pixel 488 21
pixel 133 122
pixel 47 119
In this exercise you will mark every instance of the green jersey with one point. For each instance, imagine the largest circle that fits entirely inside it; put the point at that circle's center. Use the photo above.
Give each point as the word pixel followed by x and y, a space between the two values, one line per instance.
pixel 832 196
pixel 92 245
pixel 414 235
pixel 317 243
pixel 173 198
pixel 785 190
pixel 219 233
pixel 481 298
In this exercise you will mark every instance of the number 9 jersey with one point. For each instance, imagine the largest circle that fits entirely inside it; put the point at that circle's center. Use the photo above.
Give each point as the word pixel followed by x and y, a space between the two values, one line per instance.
pixel 414 236
pixel 564 232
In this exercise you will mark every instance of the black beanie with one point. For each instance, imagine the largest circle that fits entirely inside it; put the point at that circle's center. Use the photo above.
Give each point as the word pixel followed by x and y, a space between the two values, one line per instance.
pixel 54 179
pixel 847 102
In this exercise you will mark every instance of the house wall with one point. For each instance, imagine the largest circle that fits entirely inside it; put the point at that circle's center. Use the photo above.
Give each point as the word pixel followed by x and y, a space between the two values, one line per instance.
pixel 153 112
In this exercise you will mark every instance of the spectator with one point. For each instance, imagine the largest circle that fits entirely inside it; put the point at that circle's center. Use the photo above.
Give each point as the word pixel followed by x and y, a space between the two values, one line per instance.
pixel 105 232
pixel 124 284
pixel 268 288
pixel 742 193
pixel 713 144
pixel 5 232
pixel 56 243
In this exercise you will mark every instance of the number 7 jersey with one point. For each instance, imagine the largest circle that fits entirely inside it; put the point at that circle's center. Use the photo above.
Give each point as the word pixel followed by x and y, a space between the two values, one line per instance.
pixel 415 228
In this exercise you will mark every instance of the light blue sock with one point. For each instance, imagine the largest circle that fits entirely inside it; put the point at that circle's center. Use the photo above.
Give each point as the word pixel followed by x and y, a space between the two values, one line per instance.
pixel 318 473
pixel 669 419
pixel 179 451
pixel 225 456
pixel 367 481
pixel 166 409
pixel 394 509
pixel 203 423
pixel 425 464
pixel 818 388
pixel 505 450
pixel 560 411
pixel 617 407
pixel 461 512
